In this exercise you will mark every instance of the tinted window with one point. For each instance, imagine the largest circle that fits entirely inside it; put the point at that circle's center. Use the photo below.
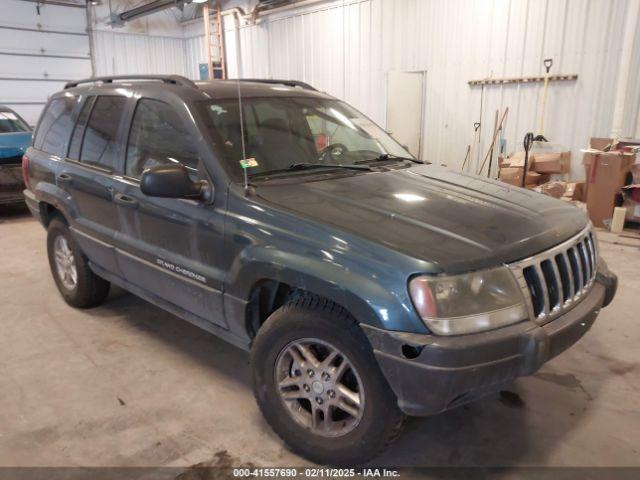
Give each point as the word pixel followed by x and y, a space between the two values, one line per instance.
pixel 78 131
pixel 99 145
pixel 159 137
pixel 55 126
pixel 11 123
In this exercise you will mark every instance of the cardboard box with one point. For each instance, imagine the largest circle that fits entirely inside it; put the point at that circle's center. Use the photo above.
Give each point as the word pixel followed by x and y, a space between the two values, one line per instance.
pixel 627 143
pixel 600 143
pixel 533 178
pixel 513 176
pixel 574 191
pixel 552 162
pixel 565 161
pixel 517 159
pixel 553 189
pixel 608 173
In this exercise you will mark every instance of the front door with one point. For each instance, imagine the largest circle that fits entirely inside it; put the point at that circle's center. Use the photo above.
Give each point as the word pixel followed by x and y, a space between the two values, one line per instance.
pixel 171 248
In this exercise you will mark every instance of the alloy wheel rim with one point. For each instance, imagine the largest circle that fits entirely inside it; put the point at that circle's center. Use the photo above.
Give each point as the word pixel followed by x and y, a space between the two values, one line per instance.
pixel 319 387
pixel 65 263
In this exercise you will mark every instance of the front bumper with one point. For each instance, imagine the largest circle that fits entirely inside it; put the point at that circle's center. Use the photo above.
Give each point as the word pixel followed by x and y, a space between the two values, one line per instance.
pixel 431 373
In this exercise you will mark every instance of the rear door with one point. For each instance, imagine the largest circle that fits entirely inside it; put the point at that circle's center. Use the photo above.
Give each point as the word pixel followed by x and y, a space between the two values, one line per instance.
pixel 87 175
pixel 172 248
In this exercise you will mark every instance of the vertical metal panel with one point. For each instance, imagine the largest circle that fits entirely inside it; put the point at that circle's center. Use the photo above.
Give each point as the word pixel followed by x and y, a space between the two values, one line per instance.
pixel 347 48
pixel 128 53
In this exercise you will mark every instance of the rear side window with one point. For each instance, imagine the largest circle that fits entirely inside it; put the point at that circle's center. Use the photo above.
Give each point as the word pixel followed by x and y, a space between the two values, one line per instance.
pixel 56 125
pixel 99 145
pixel 78 131
pixel 159 137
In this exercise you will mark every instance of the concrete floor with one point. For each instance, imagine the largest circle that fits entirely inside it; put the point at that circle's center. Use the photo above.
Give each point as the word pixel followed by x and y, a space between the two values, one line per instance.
pixel 127 384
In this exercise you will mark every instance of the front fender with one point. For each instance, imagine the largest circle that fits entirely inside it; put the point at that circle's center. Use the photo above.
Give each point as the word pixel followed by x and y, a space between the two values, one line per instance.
pixel 363 295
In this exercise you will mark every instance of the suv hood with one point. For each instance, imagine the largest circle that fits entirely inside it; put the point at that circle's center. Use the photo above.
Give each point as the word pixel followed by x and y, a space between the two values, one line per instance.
pixel 456 221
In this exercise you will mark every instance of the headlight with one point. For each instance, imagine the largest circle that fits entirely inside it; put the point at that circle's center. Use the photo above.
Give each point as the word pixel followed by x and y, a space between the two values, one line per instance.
pixel 468 303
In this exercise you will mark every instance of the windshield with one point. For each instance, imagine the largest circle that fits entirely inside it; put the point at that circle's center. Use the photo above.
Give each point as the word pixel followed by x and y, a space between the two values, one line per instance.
pixel 12 123
pixel 285 131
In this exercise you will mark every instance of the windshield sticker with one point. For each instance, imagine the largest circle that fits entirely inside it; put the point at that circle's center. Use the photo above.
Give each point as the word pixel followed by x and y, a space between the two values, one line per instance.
pixel 248 163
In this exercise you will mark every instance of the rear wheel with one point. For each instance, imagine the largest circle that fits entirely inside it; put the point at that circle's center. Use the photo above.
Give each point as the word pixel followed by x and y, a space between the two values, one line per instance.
pixel 319 386
pixel 79 286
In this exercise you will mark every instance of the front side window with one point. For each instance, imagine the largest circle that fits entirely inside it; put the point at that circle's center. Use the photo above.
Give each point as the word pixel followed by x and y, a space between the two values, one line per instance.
pixel 12 123
pixel 159 137
pixel 284 131
pixel 99 145
pixel 55 126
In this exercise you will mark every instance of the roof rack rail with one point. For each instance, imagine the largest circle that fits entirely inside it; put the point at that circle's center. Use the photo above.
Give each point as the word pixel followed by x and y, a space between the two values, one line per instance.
pixel 172 79
pixel 288 83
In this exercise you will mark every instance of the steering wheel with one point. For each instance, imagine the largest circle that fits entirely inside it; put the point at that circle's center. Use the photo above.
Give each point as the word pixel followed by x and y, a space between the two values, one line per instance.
pixel 334 150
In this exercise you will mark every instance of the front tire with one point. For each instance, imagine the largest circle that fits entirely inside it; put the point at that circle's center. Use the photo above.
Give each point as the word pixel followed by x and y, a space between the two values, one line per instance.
pixel 78 285
pixel 319 386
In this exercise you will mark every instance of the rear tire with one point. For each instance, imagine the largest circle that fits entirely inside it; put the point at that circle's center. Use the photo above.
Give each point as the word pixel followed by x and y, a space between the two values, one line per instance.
pixel 310 419
pixel 78 285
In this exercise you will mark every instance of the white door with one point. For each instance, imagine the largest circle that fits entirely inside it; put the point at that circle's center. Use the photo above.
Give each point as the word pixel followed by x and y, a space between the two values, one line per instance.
pixel 43 45
pixel 405 104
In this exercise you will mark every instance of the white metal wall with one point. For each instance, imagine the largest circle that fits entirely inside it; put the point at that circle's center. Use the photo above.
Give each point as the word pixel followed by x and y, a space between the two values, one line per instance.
pixel 347 48
pixel 119 53
pixel 41 47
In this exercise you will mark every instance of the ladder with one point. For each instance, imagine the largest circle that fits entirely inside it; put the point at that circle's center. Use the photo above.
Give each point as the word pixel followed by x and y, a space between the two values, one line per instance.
pixel 214 41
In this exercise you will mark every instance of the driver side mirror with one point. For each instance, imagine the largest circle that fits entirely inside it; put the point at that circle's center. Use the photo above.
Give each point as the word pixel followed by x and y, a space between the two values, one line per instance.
pixel 173 181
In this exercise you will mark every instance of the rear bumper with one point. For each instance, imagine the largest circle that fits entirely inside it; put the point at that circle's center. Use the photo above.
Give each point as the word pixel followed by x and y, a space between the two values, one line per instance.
pixel 33 204
pixel 430 373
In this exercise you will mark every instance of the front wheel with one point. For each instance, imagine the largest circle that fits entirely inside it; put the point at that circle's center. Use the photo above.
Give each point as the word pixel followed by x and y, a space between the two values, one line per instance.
pixel 319 386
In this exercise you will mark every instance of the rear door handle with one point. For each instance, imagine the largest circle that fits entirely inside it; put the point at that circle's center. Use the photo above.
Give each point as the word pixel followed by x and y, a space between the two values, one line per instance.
pixel 125 200
pixel 64 177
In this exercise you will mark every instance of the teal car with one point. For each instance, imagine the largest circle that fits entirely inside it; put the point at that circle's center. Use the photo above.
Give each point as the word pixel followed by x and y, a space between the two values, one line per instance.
pixel 15 138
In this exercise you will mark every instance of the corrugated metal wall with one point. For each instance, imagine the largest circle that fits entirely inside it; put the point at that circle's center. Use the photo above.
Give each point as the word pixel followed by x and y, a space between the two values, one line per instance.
pixel 347 48
pixel 118 53
pixel 41 47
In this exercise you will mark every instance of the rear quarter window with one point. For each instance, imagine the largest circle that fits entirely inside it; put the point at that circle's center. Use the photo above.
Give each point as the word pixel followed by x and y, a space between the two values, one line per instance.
pixel 55 125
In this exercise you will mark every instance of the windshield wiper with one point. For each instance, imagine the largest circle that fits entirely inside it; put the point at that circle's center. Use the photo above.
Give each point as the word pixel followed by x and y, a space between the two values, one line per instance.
pixel 308 166
pixel 386 156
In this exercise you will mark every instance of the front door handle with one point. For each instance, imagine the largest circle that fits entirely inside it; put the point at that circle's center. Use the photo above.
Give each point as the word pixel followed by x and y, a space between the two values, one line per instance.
pixel 125 200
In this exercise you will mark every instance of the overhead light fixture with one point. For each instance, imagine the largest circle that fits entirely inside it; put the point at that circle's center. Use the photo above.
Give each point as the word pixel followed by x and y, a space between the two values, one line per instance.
pixel 95 3
pixel 199 1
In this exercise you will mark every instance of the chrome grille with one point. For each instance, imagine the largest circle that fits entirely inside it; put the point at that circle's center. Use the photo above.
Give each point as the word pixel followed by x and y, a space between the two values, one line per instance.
pixel 554 281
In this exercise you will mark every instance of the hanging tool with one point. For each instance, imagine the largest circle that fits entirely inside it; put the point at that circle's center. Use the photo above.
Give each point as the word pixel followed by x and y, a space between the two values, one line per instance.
pixel 493 141
pixel 495 129
pixel 528 142
pixel 469 155
pixel 466 157
pixel 548 62
pixel 479 129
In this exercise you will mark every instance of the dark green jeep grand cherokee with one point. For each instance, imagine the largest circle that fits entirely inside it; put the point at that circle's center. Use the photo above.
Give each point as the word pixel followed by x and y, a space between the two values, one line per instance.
pixel 367 285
